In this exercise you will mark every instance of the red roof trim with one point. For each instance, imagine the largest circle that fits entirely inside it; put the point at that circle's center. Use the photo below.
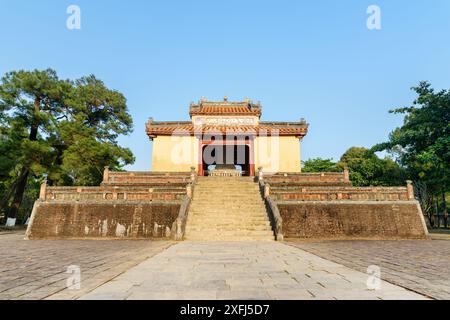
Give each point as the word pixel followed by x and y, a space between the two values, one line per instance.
pixel 180 129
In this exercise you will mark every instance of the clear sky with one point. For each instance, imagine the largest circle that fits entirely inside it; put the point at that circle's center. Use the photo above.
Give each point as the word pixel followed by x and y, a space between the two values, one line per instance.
pixel 312 59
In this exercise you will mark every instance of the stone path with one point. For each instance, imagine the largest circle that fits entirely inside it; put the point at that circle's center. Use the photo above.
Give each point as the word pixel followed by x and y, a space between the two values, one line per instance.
pixel 242 270
pixel 38 269
pixel 421 266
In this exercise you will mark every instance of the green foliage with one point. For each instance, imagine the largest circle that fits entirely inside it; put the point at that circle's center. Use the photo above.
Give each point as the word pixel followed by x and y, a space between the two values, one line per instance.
pixel 66 129
pixel 367 169
pixel 85 160
pixel 422 143
pixel 319 165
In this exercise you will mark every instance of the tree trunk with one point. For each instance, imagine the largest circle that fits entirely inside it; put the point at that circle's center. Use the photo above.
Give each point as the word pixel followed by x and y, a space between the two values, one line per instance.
pixel 436 212
pixel 4 201
pixel 24 172
pixel 444 208
pixel 18 195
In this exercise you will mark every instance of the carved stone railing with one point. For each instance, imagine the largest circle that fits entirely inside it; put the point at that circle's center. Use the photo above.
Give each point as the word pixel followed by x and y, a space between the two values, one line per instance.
pixel 108 194
pixel 340 193
pixel 322 177
pixel 272 208
pixel 131 186
pixel 144 177
pixel 179 225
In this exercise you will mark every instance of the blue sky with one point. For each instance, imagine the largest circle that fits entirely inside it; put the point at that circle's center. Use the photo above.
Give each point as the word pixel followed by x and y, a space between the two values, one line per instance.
pixel 311 59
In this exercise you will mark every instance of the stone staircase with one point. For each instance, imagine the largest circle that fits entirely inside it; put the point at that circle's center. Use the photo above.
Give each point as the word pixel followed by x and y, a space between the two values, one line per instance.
pixel 229 209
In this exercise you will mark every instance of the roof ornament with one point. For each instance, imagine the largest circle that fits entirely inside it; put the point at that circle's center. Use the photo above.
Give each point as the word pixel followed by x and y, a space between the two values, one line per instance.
pixel 225 98
pixel 150 122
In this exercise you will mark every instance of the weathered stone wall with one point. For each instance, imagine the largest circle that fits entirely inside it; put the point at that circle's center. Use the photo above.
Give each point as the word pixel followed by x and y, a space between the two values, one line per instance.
pixel 93 219
pixel 352 219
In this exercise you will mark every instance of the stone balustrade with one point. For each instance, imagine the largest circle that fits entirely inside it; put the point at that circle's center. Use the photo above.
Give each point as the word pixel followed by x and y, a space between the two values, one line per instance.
pixel 340 193
pixel 132 186
pixel 143 177
pixel 105 194
pixel 323 178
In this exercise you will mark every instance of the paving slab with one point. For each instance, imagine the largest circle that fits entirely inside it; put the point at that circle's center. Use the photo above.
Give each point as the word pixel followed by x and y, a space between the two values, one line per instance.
pixel 418 265
pixel 37 269
pixel 266 270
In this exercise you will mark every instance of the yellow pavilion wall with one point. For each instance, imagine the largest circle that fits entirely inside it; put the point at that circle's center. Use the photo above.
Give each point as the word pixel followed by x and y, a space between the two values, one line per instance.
pixel 174 153
pixel 277 154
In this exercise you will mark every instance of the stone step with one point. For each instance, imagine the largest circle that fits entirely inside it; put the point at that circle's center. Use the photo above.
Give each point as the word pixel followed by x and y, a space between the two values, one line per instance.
pixel 227 218
pixel 225 181
pixel 242 223
pixel 229 233
pixel 218 225
pixel 229 238
pixel 223 208
pixel 214 215
pixel 227 188
pixel 228 184
pixel 224 212
pixel 231 228
pixel 240 192
pixel 228 209
pixel 249 201
pixel 210 196
pixel 228 206
pixel 243 193
pixel 197 219
pixel 228 228
pixel 226 215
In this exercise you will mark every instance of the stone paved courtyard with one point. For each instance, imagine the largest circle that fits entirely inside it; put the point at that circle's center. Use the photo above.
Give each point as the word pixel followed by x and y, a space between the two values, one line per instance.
pixel 422 266
pixel 133 269
pixel 242 270
pixel 38 269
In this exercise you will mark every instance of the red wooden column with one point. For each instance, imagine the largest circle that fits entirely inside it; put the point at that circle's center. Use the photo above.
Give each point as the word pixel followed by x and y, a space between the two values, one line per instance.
pixel 200 157
pixel 251 152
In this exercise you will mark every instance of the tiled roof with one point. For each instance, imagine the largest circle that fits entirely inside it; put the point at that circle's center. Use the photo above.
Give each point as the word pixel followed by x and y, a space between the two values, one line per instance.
pixel 264 128
pixel 225 108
